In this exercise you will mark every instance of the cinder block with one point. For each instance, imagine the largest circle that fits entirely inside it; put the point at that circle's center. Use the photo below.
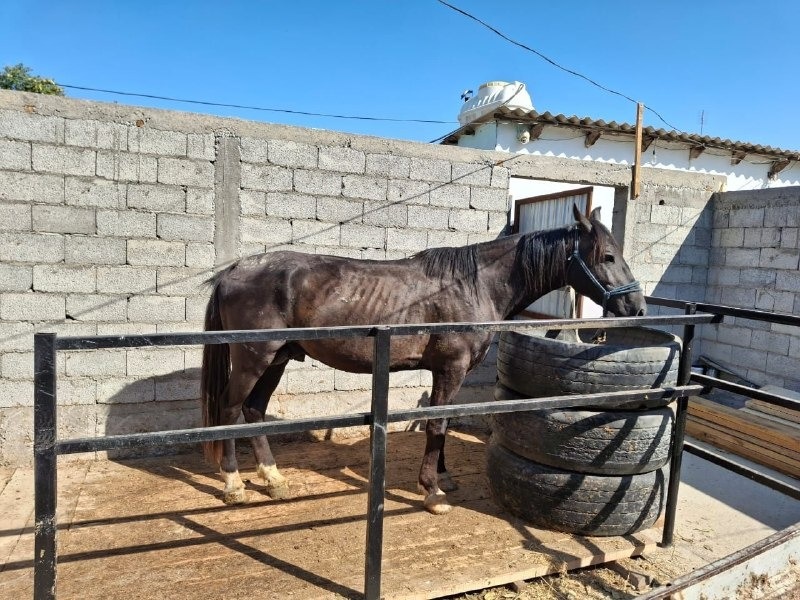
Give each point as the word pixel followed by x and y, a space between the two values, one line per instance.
pixel 780 258
pixel 16 337
pixel 342 160
pixel 408 192
pixel 292 154
pixel 15 217
pixel 430 169
pixel 155 141
pixel 343 381
pixel 472 174
pixel 269 231
pixel 790 237
pixel 469 220
pixel 338 251
pixel 76 391
pixel 177 387
pixel 126 280
pixel 450 239
pixel 97 193
pixel 157 198
pixel 365 187
pixel 32 306
pixel 741 257
pixel 317 183
pixel 492 199
pixel 290 206
pixel 196 310
pixel 16 365
pixel 252 202
pixel 267 178
pixel 149 362
pixel 253 150
pixel 15 393
pixel 363 236
pixel 500 177
pixel 757 277
pixel 96 307
pixel 480 238
pixel 385 214
pixel 311 381
pixel 199 201
pixel 124 166
pixel 156 253
pixel 186 228
pixel 95 134
pixel 15 278
pixel 126 390
pixel 31 187
pixel 201 145
pixel 782 216
pixel 315 232
pixel 126 224
pixel 64 278
pixel 746 217
pixel 339 210
pixel 63 219
pixel 450 196
pixel 85 250
pixel 15 155
pixel 731 238
pixel 31 247
pixel 185 171
pixel 156 308
pixel 200 256
pixel 64 160
pixel 406 240
pixel 181 281
pixel 788 281
pixel 31 127
pixel 423 217
pixel 388 165
pixel 498 221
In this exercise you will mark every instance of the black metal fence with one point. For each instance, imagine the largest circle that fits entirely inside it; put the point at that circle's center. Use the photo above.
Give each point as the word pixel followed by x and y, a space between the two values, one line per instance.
pixel 47 446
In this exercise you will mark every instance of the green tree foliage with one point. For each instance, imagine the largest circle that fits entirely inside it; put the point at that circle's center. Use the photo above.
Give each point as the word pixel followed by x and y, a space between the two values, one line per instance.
pixel 19 78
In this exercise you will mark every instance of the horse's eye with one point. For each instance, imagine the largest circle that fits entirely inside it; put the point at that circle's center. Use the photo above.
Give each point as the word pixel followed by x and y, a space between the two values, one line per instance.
pixel 609 258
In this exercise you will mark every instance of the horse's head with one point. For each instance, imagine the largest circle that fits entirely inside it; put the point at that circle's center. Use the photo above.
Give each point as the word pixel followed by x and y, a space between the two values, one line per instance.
pixel 597 270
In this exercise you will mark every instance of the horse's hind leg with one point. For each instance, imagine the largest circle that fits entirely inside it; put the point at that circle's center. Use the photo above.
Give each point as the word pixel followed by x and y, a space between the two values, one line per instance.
pixel 254 407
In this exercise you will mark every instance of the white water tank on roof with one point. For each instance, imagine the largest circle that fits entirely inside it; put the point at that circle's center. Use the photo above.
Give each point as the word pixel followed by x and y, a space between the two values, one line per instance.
pixel 491 96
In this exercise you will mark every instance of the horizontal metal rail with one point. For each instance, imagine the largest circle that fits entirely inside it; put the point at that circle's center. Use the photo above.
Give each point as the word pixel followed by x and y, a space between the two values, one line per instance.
pixel 729 311
pixel 743 390
pixel 207 434
pixel 319 333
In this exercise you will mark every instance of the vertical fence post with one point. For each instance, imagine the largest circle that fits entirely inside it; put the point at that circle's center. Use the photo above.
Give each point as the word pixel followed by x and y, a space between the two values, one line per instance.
pixel 377 463
pixel 44 465
pixel 676 458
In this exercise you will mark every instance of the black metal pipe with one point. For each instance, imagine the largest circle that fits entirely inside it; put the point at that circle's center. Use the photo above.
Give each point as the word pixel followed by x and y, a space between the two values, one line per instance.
pixel 730 311
pixel 744 390
pixel 377 463
pixel 44 465
pixel 193 436
pixel 679 431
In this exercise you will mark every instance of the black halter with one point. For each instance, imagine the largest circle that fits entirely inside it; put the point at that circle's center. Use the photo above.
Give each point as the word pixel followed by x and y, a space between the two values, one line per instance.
pixel 633 286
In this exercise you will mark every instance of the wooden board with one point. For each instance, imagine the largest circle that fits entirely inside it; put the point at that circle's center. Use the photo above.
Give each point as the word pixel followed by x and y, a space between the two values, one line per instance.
pixel 787 414
pixel 157 528
pixel 761 438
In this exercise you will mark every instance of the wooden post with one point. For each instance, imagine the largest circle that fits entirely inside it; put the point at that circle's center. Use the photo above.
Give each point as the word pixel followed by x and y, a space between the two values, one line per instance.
pixel 637 153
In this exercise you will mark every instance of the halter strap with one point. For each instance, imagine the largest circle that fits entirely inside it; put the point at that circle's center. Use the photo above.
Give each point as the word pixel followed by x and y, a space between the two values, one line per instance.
pixel 633 286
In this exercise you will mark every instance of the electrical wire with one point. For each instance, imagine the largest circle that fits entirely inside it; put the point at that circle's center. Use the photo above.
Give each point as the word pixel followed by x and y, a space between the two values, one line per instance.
pixel 259 108
pixel 554 63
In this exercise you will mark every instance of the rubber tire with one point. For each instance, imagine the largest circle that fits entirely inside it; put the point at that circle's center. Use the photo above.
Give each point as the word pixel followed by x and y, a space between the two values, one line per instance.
pixel 551 498
pixel 631 358
pixel 618 442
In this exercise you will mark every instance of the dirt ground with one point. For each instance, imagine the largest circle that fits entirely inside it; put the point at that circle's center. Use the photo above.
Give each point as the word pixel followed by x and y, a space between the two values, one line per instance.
pixel 129 528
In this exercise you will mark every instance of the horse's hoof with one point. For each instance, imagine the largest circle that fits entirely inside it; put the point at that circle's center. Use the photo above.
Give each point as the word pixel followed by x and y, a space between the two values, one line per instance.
pixel 447 483
pixel 436 504
pixel 278 491
pixel 234 496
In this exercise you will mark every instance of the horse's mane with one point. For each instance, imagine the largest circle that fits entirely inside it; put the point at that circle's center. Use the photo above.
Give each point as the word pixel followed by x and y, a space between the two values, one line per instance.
pixel 459 263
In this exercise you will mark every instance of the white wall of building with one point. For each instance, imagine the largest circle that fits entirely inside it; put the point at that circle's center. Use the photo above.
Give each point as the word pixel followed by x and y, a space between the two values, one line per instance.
pixel 564 142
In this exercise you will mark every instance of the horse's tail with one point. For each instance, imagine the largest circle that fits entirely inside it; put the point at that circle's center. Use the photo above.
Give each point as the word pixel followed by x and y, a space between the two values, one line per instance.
pixel 214 376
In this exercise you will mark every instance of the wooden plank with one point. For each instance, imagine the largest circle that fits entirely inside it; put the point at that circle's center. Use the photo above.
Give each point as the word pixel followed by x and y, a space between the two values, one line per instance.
pixel 786 414
pixel 718 436
pixel 752 425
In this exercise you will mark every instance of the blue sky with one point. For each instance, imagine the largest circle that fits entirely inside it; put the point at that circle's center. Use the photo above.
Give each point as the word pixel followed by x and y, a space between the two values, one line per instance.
pixel 736 62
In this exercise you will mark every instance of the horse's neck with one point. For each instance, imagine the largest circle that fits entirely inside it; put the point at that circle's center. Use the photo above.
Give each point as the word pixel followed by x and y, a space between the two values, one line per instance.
pixel 509 287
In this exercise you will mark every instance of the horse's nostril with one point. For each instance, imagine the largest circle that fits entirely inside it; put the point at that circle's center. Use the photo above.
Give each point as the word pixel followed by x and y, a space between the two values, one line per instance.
pixel 640 313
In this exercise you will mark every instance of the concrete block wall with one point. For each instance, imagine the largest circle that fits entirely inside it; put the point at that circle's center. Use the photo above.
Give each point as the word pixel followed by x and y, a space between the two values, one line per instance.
pixel 111 219
pixel 755 257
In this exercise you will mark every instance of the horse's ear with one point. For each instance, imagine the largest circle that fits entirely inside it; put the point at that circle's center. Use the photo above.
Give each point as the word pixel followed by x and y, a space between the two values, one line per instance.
pixel 595 216
pixel 583 222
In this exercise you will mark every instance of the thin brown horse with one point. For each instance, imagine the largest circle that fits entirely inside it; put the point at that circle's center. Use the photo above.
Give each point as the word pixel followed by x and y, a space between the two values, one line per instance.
pixel 482 282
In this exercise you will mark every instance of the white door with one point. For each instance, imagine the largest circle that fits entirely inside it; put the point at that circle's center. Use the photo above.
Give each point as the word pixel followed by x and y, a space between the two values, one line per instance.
pixel 551 211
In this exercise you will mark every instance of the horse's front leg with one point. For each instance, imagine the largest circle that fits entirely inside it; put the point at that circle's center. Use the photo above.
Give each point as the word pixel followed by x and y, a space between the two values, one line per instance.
pixel 433 472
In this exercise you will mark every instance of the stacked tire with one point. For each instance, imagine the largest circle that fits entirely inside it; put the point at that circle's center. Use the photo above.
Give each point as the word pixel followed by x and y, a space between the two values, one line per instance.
pixel 589 470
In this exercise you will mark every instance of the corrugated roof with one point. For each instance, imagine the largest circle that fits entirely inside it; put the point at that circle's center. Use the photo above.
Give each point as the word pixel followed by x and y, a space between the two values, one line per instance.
pixel 532 117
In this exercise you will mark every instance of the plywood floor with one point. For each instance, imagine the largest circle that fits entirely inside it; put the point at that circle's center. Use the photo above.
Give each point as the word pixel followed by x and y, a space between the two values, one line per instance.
pixel 157 528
